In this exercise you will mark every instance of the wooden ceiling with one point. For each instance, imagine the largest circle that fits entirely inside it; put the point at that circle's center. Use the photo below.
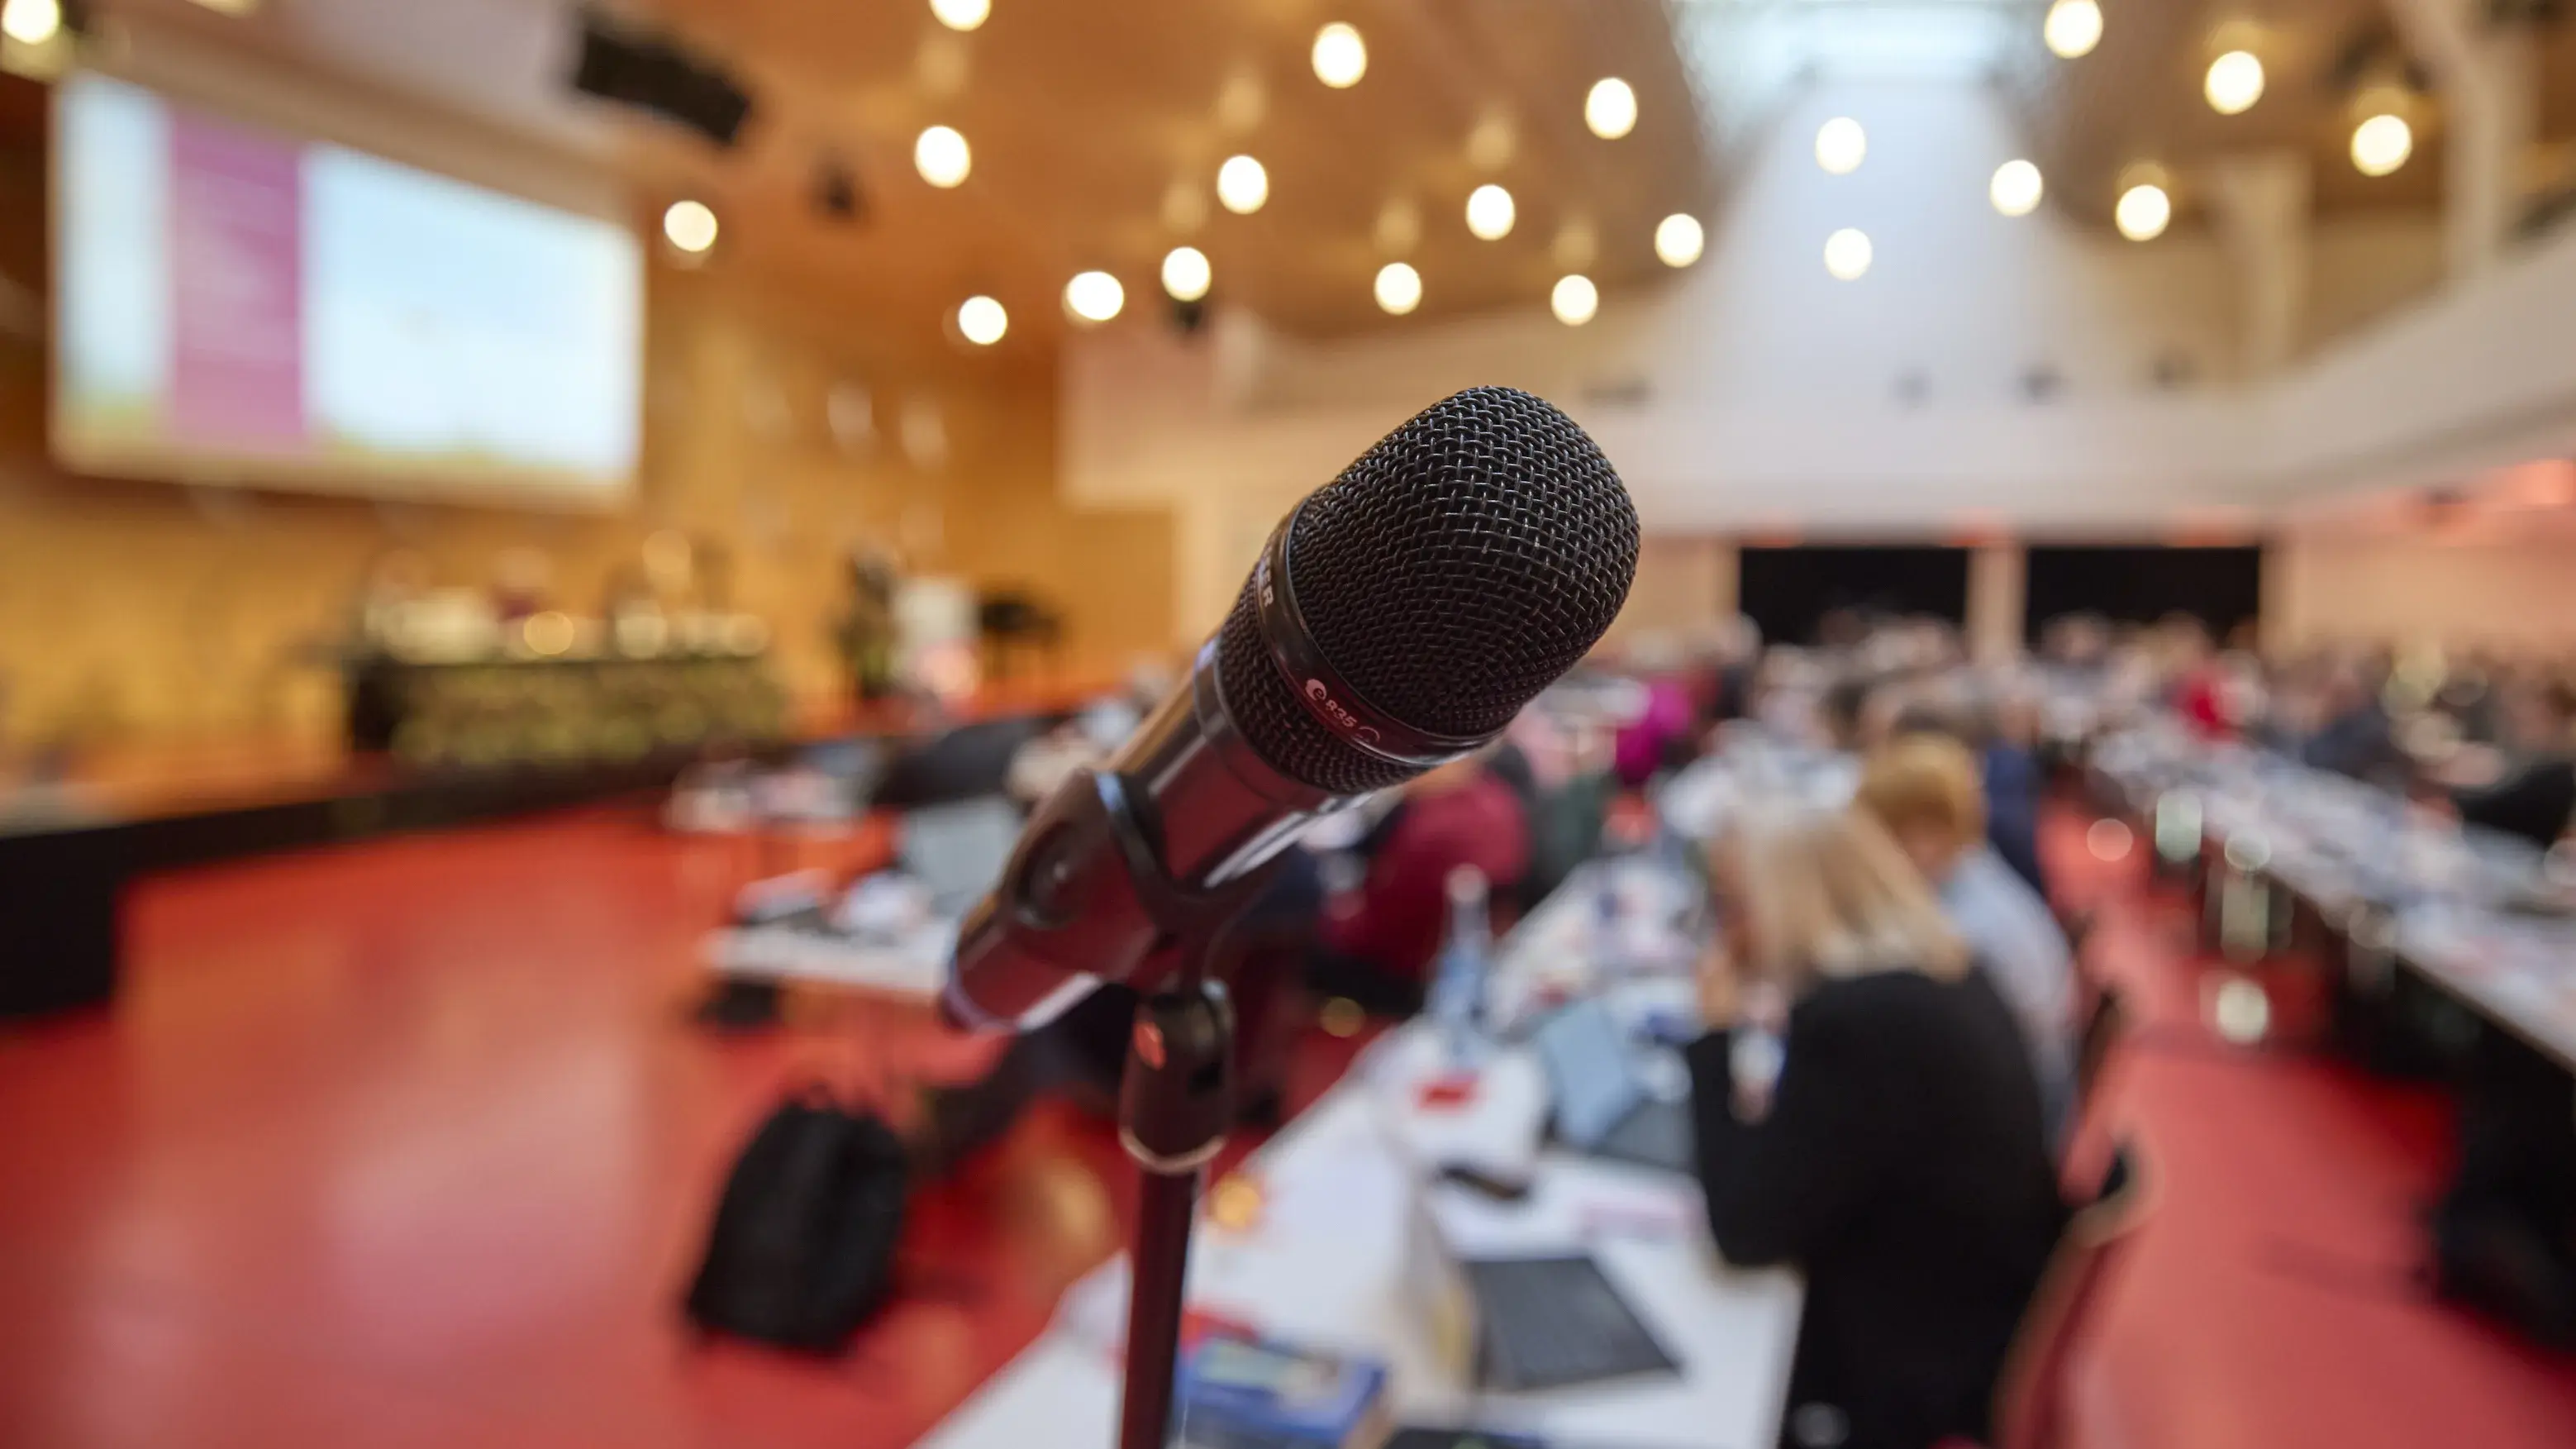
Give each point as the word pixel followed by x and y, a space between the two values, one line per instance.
pixel 1085 120
pixel 1086 117
pixel 2138 97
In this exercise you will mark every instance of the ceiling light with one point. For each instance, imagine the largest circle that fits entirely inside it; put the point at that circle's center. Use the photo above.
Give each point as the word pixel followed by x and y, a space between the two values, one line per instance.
pixel 1840 145
pixel 982 321
pixel 690 226
pixel 1399 288
pixel 1490 145
pixel 2234 82
pixel 961 14
pixel 942 157
pixel 1611 108
pixel 1399 226
pixel 1184 206
pixel 1241 102
pixel 1574 300
pixel 2382 144
pixel 1094 296
pixel 1847 254
pixel 2016 189
pixel 1490 212
pixel 1575 246
pixel 2073 27
pixel 2143 212
pixel 31 22
pixel 1340 56
pixel 1678 239
pixel 1242 185
pixel 1186 274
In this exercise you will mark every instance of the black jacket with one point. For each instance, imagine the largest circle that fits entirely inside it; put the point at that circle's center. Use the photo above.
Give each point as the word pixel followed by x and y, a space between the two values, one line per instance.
pixel 2533 802
pixel 1902 1167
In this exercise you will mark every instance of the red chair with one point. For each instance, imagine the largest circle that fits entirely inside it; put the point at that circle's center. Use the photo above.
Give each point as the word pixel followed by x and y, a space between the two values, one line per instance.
pixel 2031 1397
pixel 2084 1151
pixel 2104 1026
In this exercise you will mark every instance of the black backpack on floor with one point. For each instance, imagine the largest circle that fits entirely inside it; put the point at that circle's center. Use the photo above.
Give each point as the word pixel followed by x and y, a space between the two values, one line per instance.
pixel 803 1245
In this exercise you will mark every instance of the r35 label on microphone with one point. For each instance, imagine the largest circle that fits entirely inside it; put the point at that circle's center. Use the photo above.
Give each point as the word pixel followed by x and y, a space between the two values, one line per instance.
pixel 1316 691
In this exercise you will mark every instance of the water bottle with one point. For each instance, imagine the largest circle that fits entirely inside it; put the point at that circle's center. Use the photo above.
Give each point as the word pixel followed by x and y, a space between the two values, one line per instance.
pixel 1459 972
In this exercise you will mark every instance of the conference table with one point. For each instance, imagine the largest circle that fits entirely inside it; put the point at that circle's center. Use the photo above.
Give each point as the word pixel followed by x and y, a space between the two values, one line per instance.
pixel 2483 919
pixel 1353 1243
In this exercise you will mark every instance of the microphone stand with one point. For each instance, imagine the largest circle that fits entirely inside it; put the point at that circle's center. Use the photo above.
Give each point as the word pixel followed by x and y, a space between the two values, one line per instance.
pixel 1175 1102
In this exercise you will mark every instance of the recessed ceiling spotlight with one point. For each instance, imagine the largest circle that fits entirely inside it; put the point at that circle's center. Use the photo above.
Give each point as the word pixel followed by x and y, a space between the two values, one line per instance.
pixel 1847 254
pixel 1186 274
pixel 2234 83
pixel 2144 212
pixel 1678 239
pixel 1242 185
pixel 1399 288
pixel 1490 212
pixel 982 321
pixel 1840 146
pixel 2073 27
pixel 2016 189
pixel 1491 144
pixel 1340 56
pixel 1610 108
pixel 690 226
pixel 961 14
pixel 31 22
pixel 2382 143
pixel 1094 296
pixel 1574 299
pixel 1399 226
pixel 941 155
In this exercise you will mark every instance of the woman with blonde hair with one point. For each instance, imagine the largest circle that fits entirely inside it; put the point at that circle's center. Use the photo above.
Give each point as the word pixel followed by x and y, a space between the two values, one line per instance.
pixel 1925 790
pixel 1866 1111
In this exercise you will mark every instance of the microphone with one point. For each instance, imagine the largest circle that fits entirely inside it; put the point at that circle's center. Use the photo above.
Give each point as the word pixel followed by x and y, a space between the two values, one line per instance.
pixel 1398 618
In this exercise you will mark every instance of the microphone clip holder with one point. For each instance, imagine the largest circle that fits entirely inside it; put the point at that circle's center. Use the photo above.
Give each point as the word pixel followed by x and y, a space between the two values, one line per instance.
pixel 1175 1102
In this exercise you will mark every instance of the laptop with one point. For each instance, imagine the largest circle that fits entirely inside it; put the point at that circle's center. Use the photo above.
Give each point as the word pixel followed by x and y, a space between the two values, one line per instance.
pixel 1552 1323
pixel 957 851
pixel 1604 1105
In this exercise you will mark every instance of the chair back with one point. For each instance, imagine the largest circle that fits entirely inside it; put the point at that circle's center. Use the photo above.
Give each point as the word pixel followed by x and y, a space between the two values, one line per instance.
pixel 2031 1395
pixel 2085 1139
pixel 2104 1025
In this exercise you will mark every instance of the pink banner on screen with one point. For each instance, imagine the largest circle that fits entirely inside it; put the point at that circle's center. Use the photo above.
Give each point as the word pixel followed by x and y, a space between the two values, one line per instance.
pixel 237 294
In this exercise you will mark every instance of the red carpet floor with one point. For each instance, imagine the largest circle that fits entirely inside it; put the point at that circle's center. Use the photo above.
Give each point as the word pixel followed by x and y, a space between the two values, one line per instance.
pixel 2274 1298
pixel 411 1144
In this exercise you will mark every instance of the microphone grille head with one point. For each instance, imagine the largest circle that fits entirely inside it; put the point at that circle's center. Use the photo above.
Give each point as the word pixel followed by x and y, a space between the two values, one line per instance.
pixel 1449 575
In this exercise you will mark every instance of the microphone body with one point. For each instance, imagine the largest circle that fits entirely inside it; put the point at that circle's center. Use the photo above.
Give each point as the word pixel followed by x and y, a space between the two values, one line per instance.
pixel 1399 617
pixel 1068 913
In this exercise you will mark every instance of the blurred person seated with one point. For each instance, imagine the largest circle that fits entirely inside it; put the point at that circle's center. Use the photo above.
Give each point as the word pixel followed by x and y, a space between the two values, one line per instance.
pixel 2199 679
pixel 1560 770
pixel 2354 735
pixel 1924 789
pixel 1895 1155
pixel 1377 938
pixel 2469 698
pixel 2008 775
pixel 1788 696
pixel 1861 710
pixel 2531 789
pixel 2079 643
pixel 1839 710
pixel 1720 676
pixel 1662 730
